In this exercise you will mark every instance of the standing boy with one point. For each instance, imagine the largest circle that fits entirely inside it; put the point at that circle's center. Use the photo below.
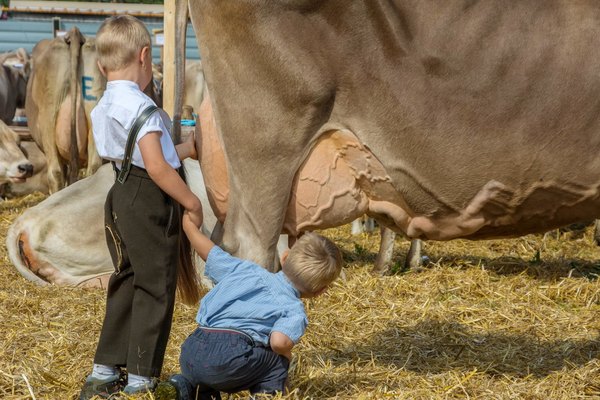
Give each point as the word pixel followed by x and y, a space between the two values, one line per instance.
pixel 142 216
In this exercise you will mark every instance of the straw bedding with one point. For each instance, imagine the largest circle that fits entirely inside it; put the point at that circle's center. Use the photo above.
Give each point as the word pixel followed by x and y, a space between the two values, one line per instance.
pixel 503 319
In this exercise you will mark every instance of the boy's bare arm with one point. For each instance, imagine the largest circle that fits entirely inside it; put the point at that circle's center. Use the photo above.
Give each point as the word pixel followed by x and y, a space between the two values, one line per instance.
pixel 187 149
pixel 199 241
pixel 166 177
pixel 281 344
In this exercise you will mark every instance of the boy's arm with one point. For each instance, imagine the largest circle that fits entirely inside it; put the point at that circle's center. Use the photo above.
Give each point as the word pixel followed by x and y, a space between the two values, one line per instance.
pixel 166 177
pixel 187 149
pixel 281 344
pixel 199 241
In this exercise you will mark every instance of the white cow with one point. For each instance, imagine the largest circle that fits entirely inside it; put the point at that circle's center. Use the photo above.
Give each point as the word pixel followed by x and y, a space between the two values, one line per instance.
pixel 61 240
pixel 38 182
pixel 14 166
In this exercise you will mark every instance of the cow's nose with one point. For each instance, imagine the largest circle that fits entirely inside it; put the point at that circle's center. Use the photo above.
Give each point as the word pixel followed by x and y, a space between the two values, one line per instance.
pixel 26 169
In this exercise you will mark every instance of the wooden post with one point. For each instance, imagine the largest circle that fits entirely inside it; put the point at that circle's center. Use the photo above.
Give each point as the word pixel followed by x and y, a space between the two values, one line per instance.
pixel 169 58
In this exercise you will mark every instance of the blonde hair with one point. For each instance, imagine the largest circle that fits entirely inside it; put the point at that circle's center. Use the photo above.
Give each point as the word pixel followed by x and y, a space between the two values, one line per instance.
pixel 119 40
pixel 313 263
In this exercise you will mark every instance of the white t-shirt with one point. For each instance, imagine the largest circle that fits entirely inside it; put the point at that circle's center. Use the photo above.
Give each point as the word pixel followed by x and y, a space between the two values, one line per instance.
pixel 113 117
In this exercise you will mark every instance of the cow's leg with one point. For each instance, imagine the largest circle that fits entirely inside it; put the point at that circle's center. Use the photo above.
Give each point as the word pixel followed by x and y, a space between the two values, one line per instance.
pixel 357 227
pixel 93 159
pixel 44 131
pixel 413 257
pixel 56 173
pixel 386 251
pixel 62 142
pixel 597 232
pixel 369 224
pixel 245 232
pixel 261 172
pixel 265 137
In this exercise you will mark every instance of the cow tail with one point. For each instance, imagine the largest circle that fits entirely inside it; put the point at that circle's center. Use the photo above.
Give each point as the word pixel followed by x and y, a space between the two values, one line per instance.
pixel 74 52
pixel 188 284
pixel 188 281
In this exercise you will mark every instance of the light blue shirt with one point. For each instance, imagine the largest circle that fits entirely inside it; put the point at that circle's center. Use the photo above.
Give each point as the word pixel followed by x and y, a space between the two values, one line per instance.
pixel 251 299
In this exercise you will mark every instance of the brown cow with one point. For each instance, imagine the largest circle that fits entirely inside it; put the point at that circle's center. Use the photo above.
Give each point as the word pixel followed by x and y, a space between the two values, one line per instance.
pixel 310 205
pixel 13 83
pixel 458 119
pixel 64 86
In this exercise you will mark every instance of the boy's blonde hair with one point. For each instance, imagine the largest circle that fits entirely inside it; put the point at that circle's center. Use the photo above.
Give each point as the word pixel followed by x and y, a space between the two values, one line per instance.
pixel 119 40
pixel 313 263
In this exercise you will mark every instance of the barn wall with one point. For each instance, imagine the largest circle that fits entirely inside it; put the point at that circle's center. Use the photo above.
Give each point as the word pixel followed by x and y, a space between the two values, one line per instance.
pixel 21 32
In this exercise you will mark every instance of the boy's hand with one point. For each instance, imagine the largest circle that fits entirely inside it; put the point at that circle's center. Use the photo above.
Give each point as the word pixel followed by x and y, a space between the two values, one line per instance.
pixel 281 344
pixel 187 148
pixel 191 143
pixel 193 218
pixel 200 242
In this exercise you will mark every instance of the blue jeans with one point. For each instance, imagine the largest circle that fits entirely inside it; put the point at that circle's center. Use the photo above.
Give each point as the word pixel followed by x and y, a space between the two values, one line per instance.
pixel 230 361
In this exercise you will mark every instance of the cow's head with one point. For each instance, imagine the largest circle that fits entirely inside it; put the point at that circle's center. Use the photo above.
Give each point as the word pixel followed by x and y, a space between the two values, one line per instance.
pixel 14 166
pixel 18 68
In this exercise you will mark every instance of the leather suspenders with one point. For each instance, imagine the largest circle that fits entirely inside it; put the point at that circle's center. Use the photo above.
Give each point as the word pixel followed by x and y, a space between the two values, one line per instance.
pixel 133 132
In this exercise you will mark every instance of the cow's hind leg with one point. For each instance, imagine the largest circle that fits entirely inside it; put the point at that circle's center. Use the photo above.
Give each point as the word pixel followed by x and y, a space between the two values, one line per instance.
pixel 383 262
pixel 56 174
pixel 93 159
pixel 414 259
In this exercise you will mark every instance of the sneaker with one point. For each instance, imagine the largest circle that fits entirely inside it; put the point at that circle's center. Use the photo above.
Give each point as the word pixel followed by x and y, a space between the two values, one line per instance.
pixel 143 388
pixel 102 387
pixel 176 388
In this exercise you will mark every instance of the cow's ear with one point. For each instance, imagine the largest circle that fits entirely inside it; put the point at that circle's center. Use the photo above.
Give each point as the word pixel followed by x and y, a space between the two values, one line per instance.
pixel 22 55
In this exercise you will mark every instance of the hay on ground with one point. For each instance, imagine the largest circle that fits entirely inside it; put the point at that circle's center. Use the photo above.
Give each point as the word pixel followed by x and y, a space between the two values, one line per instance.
pixel 502 319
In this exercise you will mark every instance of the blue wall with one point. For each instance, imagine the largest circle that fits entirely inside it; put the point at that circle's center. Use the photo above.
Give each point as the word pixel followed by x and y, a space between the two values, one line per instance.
pixel 15 33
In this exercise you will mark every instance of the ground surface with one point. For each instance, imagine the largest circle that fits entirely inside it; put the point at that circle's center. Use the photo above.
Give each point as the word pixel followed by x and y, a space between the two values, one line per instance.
pixel 506 319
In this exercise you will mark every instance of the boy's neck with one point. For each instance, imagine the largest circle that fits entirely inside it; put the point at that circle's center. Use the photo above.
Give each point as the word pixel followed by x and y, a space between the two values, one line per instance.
pixel 302 295
pixel 129 73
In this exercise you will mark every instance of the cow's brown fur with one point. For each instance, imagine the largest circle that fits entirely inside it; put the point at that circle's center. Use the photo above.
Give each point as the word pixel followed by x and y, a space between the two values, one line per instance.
pixel 58 116
pixel 13 84
pixel 484 114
